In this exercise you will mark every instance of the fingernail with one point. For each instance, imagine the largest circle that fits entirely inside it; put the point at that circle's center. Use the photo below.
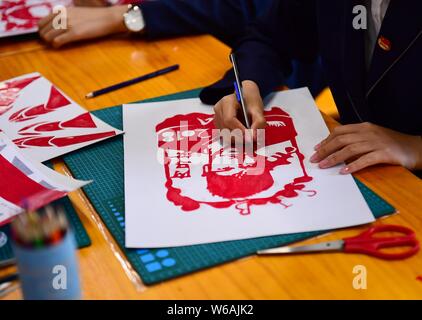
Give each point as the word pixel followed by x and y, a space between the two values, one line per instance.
pixel 323 164
pixel 344 170
pixel 317 146
pixel 314 158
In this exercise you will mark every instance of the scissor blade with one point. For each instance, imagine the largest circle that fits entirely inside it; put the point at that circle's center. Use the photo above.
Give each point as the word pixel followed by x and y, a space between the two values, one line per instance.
pixel 323 246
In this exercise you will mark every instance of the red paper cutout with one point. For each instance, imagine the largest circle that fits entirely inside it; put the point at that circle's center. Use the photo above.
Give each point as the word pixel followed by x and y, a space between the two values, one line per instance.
pixel 9 92
pixel 20 15
pixel 52 141
pixel 82 121
pixel 55 101
pixel 181 137
pixel 16 187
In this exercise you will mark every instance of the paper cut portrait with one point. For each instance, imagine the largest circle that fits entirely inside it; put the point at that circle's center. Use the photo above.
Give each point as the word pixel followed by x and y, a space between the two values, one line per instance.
pixel 187 141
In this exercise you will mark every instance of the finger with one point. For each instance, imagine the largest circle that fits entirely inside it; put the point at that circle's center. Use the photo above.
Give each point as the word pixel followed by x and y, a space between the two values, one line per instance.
pixel 335 144
pixel 229 114
pixel 217 117
pixel 217 122
pixel 44 30
pixel 231 122
pixel 364 161
pixel 348 152
pixel 232 129
pixel 52 34
pixel 258 121
pixel 255 110
pixel 341 130
pixel 62 39
pixel 46 20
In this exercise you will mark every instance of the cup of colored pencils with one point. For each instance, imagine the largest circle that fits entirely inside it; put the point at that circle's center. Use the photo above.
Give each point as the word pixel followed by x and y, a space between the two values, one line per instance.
pixel 45 251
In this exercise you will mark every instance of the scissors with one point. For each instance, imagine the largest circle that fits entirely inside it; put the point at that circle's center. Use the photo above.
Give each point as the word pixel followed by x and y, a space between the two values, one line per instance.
pixel 365 243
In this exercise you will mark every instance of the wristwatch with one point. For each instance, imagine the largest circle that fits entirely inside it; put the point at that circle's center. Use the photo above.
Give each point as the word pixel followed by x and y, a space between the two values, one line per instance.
pixel 133 18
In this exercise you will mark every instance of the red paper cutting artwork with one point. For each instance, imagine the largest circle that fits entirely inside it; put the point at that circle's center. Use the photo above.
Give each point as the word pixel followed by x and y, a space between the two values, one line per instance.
pixel 55 101
pixel 52 141
pixel 16 187
pixel 81 121
pixel 9 92
pixel 54 128
pixel 23 15
pixel 229 183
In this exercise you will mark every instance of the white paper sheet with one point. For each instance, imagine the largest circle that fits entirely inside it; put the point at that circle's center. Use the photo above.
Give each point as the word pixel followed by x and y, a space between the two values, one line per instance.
pixel 193 199
pixel 22 16
pixel 25 183
pixel 43 121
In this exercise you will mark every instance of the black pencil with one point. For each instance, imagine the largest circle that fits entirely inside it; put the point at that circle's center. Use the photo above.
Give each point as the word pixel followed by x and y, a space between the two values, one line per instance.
pixel 9 278
pixel 132 81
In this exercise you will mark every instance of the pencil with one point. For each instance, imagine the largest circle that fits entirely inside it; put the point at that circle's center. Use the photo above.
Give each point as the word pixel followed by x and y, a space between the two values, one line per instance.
pixel 239 90
pixel 132 81
pixel 9 278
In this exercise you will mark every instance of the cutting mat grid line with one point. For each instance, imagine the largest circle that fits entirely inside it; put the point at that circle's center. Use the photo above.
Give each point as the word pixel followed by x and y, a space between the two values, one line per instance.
pixel 104 163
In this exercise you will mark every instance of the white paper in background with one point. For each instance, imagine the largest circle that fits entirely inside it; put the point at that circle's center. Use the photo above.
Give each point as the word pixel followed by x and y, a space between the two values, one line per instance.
pixel 43 121
pixel 22 16
pixel 192 199
pixel 22 180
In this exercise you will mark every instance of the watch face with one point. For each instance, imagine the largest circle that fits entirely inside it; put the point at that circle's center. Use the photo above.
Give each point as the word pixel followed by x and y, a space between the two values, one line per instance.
pixel 134 20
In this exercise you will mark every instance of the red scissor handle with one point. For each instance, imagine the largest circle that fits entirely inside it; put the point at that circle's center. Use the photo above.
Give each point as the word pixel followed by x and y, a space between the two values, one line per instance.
pixel 366 243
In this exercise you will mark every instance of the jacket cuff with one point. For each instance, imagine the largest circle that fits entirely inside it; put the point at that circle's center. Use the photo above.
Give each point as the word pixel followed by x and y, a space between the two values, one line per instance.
pixel 263 67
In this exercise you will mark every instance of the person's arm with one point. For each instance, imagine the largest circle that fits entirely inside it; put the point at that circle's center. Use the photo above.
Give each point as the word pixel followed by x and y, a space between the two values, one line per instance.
pixel 83 23
pixel 287 31
pixel 366 144
pixel 225 20
pixel 262 60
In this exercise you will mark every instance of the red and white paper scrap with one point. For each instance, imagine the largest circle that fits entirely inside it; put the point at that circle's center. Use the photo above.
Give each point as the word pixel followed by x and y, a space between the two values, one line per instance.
pixel 45 123
pixel 25 183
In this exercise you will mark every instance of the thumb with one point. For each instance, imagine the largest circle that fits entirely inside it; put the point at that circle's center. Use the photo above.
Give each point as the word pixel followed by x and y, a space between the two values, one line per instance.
pixel 258 120
pixel 254 105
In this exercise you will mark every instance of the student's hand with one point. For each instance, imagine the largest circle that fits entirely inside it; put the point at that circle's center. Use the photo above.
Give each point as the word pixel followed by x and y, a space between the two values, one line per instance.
pixel 366 144
pixel 90 3
pixel 227 108
pixel 82 24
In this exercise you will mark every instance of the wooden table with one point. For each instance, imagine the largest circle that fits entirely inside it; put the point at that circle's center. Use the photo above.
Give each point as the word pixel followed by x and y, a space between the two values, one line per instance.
pixel 85 67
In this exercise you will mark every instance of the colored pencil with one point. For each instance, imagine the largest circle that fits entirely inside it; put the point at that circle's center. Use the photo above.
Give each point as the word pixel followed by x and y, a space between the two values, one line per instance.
pixel 40 229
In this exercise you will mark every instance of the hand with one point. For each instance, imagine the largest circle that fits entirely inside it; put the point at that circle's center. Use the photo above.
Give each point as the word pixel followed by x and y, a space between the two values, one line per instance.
pixel 90 3
pixel 227 108
pixel 83 23
pixel 366 144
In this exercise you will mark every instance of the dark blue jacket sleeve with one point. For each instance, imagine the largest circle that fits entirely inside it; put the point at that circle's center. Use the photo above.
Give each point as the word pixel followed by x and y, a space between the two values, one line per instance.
pixel 286 32
pixel 224 19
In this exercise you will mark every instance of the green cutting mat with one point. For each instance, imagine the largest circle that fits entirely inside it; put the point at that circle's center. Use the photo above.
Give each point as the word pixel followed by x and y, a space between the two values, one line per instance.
pixel 103 163
pixel 81 236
